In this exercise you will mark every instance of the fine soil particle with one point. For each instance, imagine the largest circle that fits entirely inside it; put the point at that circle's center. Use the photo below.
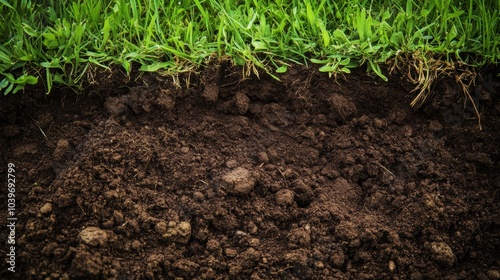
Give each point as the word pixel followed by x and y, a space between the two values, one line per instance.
pixel 307 178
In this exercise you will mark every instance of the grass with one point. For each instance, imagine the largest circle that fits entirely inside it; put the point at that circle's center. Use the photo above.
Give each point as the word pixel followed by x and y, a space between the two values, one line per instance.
pixel 64 42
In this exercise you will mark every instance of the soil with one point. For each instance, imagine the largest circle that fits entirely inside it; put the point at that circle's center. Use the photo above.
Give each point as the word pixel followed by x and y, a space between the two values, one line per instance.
pixel 309 177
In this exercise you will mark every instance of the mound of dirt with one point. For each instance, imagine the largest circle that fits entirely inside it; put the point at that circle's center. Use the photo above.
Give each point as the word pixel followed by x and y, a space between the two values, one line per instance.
pixel 308 178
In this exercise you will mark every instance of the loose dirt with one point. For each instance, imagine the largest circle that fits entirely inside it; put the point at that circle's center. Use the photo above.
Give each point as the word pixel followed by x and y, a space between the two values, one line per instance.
pixel 308 178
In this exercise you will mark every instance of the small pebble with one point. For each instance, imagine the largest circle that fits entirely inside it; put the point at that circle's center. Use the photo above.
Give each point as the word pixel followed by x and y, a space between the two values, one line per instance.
pixel 253 242
pixel 392 266
pixel 240 233
pixel 230 252
pixel 263 157
pixel 46 209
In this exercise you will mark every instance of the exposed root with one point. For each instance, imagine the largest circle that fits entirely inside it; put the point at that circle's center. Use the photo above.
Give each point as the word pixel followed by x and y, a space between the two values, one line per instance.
pixel 423 72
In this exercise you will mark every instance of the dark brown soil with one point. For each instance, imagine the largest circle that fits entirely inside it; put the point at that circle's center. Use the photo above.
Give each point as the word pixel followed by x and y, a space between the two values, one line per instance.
pixel 307 178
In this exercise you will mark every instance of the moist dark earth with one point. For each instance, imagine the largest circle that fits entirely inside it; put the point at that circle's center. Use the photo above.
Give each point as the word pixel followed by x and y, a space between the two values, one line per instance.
pixel 216 176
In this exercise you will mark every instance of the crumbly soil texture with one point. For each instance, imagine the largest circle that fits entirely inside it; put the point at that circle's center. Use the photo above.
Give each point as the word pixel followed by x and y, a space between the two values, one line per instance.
pixel 216 176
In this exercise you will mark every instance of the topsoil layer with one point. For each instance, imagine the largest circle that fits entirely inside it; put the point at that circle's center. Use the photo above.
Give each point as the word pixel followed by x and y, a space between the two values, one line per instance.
pixel 308 178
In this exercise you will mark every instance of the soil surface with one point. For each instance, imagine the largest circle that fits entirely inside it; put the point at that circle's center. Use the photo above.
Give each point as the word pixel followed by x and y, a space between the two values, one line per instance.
pixel 231 178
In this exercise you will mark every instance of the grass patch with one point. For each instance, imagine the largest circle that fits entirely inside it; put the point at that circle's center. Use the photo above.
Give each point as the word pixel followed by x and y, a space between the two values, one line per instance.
pixel 63 41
